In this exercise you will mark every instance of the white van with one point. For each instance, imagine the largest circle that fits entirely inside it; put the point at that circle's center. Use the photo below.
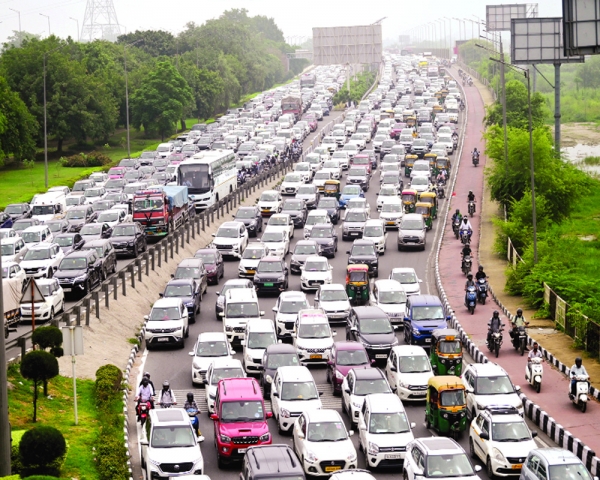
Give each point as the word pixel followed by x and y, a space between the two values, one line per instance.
pixel 49 206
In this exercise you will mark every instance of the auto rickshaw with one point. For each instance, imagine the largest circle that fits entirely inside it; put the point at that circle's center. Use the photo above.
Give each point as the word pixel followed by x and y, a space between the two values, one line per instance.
pixel 444 93
pixel 437 109
pixel 411 121
pixel 357 284
pixel 409 163
pixel 431 199
pixel 425 210
pixel 438 94
pixel 409 200
pixel 446 352
pixel 446 405
pixel 431 158
pixel 332 188
pixel 442 163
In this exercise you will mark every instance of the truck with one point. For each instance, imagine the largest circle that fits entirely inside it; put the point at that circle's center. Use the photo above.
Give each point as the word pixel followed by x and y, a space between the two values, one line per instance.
pixel 308 80
pixel 292 104
pixel 11 290
pixel 163 209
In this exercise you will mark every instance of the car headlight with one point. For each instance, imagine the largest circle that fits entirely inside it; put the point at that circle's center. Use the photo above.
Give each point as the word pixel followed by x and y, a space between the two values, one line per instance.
pixel 351 457
pixel 339 375
pixel 81 278
pixel 228 328
pixel 265 437
pixel 415 331
pixel 284 413
pixel 154 462
pixel 189 304
pixel 220 301
pixel 225 439
pixel 373 448
pixel 310 457
pixel 395 342
pixel 212 396
pixel 130 244
pixel 281 279
pixel 498 455
pixel 480 407
pixel 330 243
pixel 249 358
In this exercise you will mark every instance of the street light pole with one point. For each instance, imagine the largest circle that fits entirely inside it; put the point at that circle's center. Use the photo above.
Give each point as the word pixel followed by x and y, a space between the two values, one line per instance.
pixel 125 47
pixel 75 20
pixel 49 32
pixel 18 13
pixel 4 422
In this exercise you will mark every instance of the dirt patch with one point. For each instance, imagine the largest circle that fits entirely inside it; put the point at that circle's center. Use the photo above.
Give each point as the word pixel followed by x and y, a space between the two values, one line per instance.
pixel 579 133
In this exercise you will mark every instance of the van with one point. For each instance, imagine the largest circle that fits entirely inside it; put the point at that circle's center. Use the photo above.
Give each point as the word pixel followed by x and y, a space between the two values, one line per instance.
pixel 276 462
pixel 424 314
pixel 48 206
pixel 240 419
pixel 240 306
pixel 259 334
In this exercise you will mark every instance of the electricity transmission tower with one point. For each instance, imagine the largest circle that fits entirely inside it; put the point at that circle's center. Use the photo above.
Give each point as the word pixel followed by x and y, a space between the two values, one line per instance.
pixel 100 21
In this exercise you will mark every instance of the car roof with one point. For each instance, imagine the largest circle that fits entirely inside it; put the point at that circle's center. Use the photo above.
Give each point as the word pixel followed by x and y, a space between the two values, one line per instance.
pixel 178 281
pixel 440 445
pixel 384 402
pixel 190 261
pixel 555 455
pixel 231 224
pixel 409 350
pixel 80 253
pixel 323 416
pixel 167 302
pixel 317 258
pixel 280 348
pixel 332 286
pixel 267 460
pixel 239 388
pixel 389 285
pixel 295 373
pixel 226 362
pixel 237 281
pixel 403 269
pixel 261 325
pixel 363 241
pixel 212 336
pixel 313 315
pixel 9 240
pixel 368 373
pixel 369 312
pixel 413 216
pixel 318 211
pixel 490 368
pixel 291 295
pixel 421 300
pixel 167 416
pixel 35 228
pixel 43 246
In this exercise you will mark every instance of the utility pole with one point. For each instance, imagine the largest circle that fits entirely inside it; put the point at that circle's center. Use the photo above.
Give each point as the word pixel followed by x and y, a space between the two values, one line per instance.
pixel 557 109
pixel 75 20
pixel 19 14
pixel 49 32
pixel 127 94
pixel 531 166
pixel 4 422
pixel 503 86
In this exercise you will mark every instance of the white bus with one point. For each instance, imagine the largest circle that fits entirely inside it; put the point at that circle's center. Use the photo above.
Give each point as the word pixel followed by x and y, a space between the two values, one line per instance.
pixel 209 175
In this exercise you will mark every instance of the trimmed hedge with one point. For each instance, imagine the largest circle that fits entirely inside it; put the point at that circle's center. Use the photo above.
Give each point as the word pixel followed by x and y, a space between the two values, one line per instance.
pixel 108 383
pixel 91 159
pixel 42 451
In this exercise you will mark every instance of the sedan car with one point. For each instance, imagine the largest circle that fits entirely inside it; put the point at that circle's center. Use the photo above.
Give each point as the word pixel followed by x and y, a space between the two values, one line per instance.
pixel 408 370
pixel 291 183
pixel 213 262
pixel 269 202
pixel 251 217
pixel 252 255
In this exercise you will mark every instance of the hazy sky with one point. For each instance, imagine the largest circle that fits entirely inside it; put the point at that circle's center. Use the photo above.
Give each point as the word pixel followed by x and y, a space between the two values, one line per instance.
pixel 295 18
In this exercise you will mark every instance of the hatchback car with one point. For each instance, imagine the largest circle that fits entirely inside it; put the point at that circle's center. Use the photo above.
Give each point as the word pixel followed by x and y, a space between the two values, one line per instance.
pixel 408 370
pixel 345 356
pixel 389 295
pixel 209 346
pixel 412 232
pixel 408 278
pixel 437 457
pixel 316 271
pixel 357 385
pixel 553 464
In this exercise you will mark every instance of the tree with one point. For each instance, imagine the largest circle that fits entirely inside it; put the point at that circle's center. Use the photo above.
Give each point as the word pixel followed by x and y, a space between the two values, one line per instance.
pixel 161 100
pixel 517 113
pixel 40 449
pixel 17 39
pixel 38 366
pixel 18 128
pixel 206 87
pixel 48 337
pixel 156 43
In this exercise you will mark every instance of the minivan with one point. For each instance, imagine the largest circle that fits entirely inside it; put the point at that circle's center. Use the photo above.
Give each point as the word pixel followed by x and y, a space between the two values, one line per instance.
pixel 424 314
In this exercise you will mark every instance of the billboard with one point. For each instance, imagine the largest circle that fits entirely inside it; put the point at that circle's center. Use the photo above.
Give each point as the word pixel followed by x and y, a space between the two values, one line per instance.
pixel 581 27
pixel 341 45
pixel 538 40
pixel 498 17
pixel 404 39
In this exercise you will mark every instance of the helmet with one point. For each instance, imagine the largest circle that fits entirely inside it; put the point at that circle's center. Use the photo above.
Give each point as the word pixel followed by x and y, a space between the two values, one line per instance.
pixel 519 311
pixel 457 211
pixel 480 268
pixel 470 192
pixel 470 276
pixel 144 381
pixel 166 385
pixel 190 397
pixel 496 313
pixel 465 219
pixel 578 361
pixel 147 375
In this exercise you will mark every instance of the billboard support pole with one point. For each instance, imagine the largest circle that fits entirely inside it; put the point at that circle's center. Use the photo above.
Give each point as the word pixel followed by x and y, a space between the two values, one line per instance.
pixel 557 109
pixel 503 100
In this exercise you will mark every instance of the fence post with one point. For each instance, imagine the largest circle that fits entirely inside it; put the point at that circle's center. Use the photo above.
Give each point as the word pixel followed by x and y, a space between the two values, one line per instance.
pixel 212 213
pixel 138 265
pixel 187 232
pixel 105 289
pixel 171 245
pixel 159 256
pixel 222 202
pixel 147 258
pixel 67 319
pixel 194 226
pixel 130 269
pixel 88 306
pixel 77 311
pixel 122 275
pixel 96 297
pixel 115 287
pixel 176 241
pixel 182 236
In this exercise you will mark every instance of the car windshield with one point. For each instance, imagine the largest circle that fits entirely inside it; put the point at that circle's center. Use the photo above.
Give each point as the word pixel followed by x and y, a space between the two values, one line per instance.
pixel 91 229
pixel 212 349
pixel 316 266
pixel 268 267
pixel 445 466
pixel 187 272
pixel 65 241
pixel 227 232
pixel 73 264
pixel 333 296
pixel 570 471
pixel 352 357
pixel 298 391
pixel 75 200
pixel 75 214
pixel 246 213
pixel 363 250
pixel 366 387
pixel 511 432
pixel 419 181
pixel 357 172
pixel 326 432
pixel 449 346
pixel 292 205
pixel 322 176
pixel 414 364
pixel 384 423
pixel 232 412
pixel 208 258
pixel 13 209
pixel 427 313
pixel 391 208
pixel 148 203
pixel 31 237
pixel 320 233
pixel 253 253
pixel 108 217
pixel 351 190
pixel 306 190
pixel 292 306
pixel 36 254
pixel 43 210
pixel 268 197
pixel 260 339
pixel 356 217
pixel 411 225
pixel 392 298
pixel 293 178
pixel 242 310
pixel 376 326
pixel 178 291
pixel 165 313
pixel 499 385
pixel 388 191
pixel 278 221
pixel 124 231
pixel 404 277
pixel 305 249
pixel 314 330
pixel 276 360
pixel 222 373
pixel 172 437
pixel 273 237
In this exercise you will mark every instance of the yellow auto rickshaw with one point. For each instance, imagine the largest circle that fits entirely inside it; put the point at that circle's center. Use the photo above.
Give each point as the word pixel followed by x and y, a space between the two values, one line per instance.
pixel 438 94
pixel 332 188
pixel 442 163
pixel 431 199
pixel 409 163
pixel 437 109
pixel 444 93
pixel 425 210
pixel 357 284
pixel 431 157
pixel 409 200
pixel 446 405
pixel 446 352
pixel 411 121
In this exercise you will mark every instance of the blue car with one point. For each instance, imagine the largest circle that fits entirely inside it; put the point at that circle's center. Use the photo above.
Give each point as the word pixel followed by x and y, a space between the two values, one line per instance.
pixel 424 314
pixel 349 192
pixel 6 220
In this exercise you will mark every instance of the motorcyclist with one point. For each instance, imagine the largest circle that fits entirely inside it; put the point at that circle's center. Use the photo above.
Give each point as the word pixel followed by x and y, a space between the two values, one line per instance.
pixel 534 353
pixel 471 196
pixel 465 226
pixel 144 393
pixel 468 283
pixel 147 376
pixel 577 370
pixel 518 321
pixel 191 404
pixel 480 273
pixel 494 325
pixel 166 395
pixel 466 251
pixel 457 216
pixel 475 153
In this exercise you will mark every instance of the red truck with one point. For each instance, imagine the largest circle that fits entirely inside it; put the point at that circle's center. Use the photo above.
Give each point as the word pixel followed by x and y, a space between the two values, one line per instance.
pixel 292 104
pixel 162 210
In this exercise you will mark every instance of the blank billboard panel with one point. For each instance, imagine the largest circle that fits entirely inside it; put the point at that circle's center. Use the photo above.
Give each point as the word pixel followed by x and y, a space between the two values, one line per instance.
pixel 538 40
pixel 581 27
pixel 498 17
pixel 341 45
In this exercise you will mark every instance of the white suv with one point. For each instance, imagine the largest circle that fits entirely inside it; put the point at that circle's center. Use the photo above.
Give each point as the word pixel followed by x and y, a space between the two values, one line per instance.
pixel 167 323
pixel 231 239
pixel 375 230
pixel 239 308
pixel 286 312
pixel 281 222
pixel 313 337
pixel 260 333
pixel 42 260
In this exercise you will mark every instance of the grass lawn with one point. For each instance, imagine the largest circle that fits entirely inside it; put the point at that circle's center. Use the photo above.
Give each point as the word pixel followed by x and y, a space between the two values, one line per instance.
pixel 57 411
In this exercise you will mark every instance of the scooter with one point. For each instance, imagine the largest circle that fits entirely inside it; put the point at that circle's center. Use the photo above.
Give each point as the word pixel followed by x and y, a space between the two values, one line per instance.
pixel 471 299
pixel 534 377
pixel 456 227
pixel 440 189
pixel 520 339
pixel 143 410
pixel 582 389
pixel 466 264
pixel 471 208
pixel 193 414
pixel 496 342
pixel 482 290
pixel 475 160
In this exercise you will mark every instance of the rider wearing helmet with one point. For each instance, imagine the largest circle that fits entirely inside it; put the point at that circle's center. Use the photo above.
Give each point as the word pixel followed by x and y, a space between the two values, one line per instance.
pixel 166 395
pixel 480 273
pixel 471 196
pixel 494 325
pixel 577 370
pixel 468 283
pixel 190 403
pixel 518 321
pixel 145 392
pixel 147 376
pixel 456 216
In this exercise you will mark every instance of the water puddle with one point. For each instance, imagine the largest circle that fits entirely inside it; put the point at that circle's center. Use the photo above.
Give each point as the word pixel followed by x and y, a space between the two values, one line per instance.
pixel 580 151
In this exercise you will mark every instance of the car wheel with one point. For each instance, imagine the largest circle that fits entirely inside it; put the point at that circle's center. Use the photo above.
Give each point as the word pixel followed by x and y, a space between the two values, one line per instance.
pixel 62 307
pixel 472 449
pixel 399 248
pixel 187 332
pixel 488 467
pixel 88 287
pixel 102 275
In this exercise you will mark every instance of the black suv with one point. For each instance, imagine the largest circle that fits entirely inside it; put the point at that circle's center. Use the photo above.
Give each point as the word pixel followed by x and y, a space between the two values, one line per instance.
pixel 79 272
pixel 275 356
pixel 277 462
pixel 332 206
pixel 363 251
pixel 129 239
pixel 296 209
pixel 106 252
pixel 189 291
pixel 325 235
pixel 303 250
pixel 17 211
pixel 371 326
pixel 251 217
pixel 79 216
pixel 271 275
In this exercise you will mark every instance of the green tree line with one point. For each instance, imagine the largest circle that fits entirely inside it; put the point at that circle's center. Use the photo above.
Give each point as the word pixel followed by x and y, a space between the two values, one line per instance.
pixel 198 73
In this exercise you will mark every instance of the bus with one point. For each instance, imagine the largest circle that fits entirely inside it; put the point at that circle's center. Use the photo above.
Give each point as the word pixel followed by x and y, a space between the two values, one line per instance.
pixel 209 175
pixel 308 80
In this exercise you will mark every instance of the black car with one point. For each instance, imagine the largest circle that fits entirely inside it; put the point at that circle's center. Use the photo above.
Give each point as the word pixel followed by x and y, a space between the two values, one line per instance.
pixel 130 163
pixel 332 206
pixel 18 210
pixel 69 242
pixel 106 253
pixel 79 216
pixel 296 209
pixel 251 217
pixel 302 250
pixel 189 291
pixel 326 236
pixel 129 239
pixel 6 221
pixel 213 262
pixel 371 326
pixel 57 226
pixel 364 252
pixel 271 275
pixel 204 143
pixel 79 272
pixel 147 157
pixel 195 269
pixel 271 462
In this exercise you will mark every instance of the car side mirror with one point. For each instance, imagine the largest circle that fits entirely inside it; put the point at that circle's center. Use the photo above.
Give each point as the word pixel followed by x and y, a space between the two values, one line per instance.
pixel 484 436
pixel 214 416
pixel 146 317
pixel 348 252
pixel 334 333
pixel 347 390
pixel 478 468
pixel 518 388
pixel 350 433
pixel 221 314
pixel 262 313
pixel 214 234
pixel 301 435
pixel 269 414
pixel 172 275
pixel 191 354
pixel 161 295
pixel 274 309
pixel 353 329
pixel 144 442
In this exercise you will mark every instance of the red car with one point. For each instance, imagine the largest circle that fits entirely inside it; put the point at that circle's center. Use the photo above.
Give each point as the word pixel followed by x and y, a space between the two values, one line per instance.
pixel 213 262
pixel 344 357
pixel 312 121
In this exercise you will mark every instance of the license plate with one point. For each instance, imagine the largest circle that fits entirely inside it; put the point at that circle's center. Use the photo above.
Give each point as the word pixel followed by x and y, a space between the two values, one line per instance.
pixel 391 223
pixel 428 340
pixel 242 450
pixel 162 339
pixel 332 468
pixel 354 234
pixel 251 271
pixel 316 356
pixel 268 284
pixel 266 210
pixel 67 290
pixel 381 355
pixel 393 457
pixel 518 466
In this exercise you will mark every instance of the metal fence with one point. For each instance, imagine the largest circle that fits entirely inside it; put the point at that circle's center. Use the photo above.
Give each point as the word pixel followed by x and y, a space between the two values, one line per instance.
pixel 512 254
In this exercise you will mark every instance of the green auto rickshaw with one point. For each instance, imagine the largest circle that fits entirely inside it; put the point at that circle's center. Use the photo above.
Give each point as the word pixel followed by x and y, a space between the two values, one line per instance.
pixel 409 163
pixel 431 198
pixel 425 210
pixel 446 354
pixel 446 405
pixel 357 284
pixel 409 200
pixel 332 188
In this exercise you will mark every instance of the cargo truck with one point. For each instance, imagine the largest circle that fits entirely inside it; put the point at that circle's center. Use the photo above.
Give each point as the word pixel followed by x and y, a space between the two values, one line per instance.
pixel 292 104
pixel 162 210
pixel 11 290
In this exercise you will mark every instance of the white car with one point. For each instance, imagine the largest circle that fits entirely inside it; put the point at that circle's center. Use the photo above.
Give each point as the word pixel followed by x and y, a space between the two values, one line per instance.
pixel 231 239
pixel 313 218
pixel 316 271
pixel 112 217
pixel 408 279
pixel 378 140
pixel 501 439
pixel 276 241
pixel 293 391
pixel 420 184
pixel 351 149
pixel 391 298
pixel 209 347
pixel 167 323
pixel 320 178
pixel 408 370
pixel 219 369
pixel 323 444
pixel 252 255
pixel 391 212
pixel 13 249
pixel 37 234
pixel 13 270
pixel 93 194
pixel 420 169
pixel 313 337
pixel 269 202
pixel 344 159
pixel 333 300
pixel 375 230
pixel 384 430
pixel 286 312
pixel 448 143
pixel 54 301
pixel 330 143
pixel 359 140
pixel 291 182
pixel 334 167
pixel 437 457
pixel 260 333
pixel 99 178
pixel 42 260
pixel 281 222
pixel 304 169
pixel 350 127
pixel 488 385
pixel 340 137
pixel 359 383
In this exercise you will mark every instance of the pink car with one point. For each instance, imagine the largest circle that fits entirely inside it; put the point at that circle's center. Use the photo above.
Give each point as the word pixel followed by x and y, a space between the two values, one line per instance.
pixel 312 121
pixel 117 172
pixel 176 158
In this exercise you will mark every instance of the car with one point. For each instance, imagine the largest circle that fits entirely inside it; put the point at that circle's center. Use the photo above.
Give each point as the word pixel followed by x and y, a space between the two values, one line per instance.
pixel 420 169
pixel 359 383
pixel 209 347
pixel 408 370
pixel 412 232
pixel 364 252
pixel 389 295
pixel 344 357
pixel 36 235
pixel 188 290
pixel 95 231
pixel 41 260
pixel 343 158
pixel 54 301
pixel 488 384
pixel 13 249
pixel 359 139
pixel 296 209
pixel 310 194
pixel 358 175
pixel 371 326
pixel 349 192
pixel 386 193
pixel 219 369
pixel 437 457
pixel 17 211
pixel 79 271
pixel 271 274
pixel 384 431
pixel 269 462
pixel 424 314
pixel 129 239
pixel 57 226
pixel 331 206
pixel 501 439
pixel 351 149
pixel 333 300
pixel 334 166
pixel 553 464
pixel 276 356
pixel 378 141
pixel 282 222
pixel 391 212
pixel 305 168
pixel 213 263
pixel 79 216
pixel 408 279
pixel 286 312
pixel 14 271
pixel 269 202
pixel 23 223
pixel 231 239
pixel 392 178
pixel 252 255
pixel 251 217
pixel 194 268
pixel 291 183
pixel 8 233
pixel 354 223
pixel 69 242
pixel 315 217
pixel 375 231
pixel 313 337
pixel 316 271
pixel 276 241
pixel 93 194
pixel 230 284
pixel 420 184
pixel 322 443
pixel 259 334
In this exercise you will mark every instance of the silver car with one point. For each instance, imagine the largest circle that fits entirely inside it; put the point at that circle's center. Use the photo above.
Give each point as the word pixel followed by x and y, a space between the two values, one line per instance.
pixel 411 232
pixel 354 223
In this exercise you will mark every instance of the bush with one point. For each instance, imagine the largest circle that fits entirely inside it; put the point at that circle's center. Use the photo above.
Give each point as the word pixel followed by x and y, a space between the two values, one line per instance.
pixel 111 456
pixel 108 383
pixel 48 337
pixel 92 159
pixel 40 477
pixel 41 451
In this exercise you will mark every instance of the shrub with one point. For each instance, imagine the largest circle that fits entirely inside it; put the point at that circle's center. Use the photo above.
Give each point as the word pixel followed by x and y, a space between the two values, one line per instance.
pixel 38 366
pixel 41 451
pixel 40 477
pixel 108 383
pixel 111 456
pixel 48 337
pixel 92 159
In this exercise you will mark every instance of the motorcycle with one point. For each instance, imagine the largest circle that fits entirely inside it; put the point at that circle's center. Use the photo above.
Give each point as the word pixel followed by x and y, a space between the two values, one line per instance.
pixel 471 208
pixel 496 343
pixel 193 414
pixel 165 405
pixel 143 410
pixel 471 300
pixel 466 264
pixel 440 189
pixel 456 227
pixel 534 377
pixel 465 237
pixel 520 339
pixel 475 160
pixel 582 389
pixel 482 290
